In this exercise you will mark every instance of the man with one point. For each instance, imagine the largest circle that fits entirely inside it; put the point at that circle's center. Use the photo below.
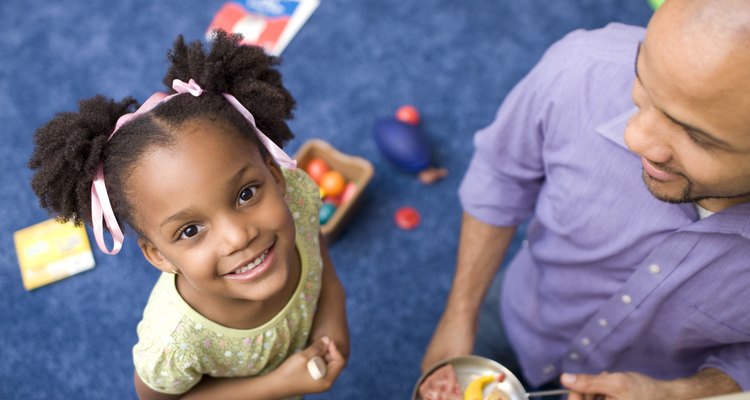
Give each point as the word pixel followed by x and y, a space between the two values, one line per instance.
pixel 634 280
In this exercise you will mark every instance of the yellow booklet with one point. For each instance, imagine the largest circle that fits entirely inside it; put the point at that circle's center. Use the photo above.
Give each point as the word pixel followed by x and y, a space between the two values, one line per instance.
pixel 50 251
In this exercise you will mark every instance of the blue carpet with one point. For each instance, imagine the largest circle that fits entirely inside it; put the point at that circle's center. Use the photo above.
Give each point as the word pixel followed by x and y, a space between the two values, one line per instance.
pixel 353 62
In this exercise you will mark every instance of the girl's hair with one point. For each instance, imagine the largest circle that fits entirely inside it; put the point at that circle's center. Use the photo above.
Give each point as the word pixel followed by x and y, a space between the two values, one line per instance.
pixel 69 148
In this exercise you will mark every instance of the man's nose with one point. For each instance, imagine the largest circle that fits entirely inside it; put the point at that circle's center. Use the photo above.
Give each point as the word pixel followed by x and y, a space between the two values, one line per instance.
pixel 647 136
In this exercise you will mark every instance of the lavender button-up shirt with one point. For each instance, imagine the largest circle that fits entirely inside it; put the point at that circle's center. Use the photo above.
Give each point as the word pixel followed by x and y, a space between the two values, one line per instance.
pixel 610 278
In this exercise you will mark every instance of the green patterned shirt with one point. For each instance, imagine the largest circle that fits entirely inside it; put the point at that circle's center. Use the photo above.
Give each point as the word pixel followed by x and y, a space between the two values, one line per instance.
pixel 177 345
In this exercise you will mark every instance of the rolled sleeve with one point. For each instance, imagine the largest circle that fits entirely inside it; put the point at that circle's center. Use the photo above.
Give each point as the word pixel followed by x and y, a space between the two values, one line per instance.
pixel 506 172
pixel 733 360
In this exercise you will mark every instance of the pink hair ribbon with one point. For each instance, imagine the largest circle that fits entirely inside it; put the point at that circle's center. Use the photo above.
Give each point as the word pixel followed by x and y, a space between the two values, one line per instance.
pixel 101 208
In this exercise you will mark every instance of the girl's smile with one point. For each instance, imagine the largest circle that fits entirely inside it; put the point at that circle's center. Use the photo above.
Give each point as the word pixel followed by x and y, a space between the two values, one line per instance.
pixel 250 270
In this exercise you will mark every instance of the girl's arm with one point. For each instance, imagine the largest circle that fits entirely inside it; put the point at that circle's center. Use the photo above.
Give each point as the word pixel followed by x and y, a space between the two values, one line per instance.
pixel 213 388
pixel 291 378
pixel 330 317
pixel 146 393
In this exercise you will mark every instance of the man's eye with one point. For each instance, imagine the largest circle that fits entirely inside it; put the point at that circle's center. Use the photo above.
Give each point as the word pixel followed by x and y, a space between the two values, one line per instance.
pixel 190 231
pixel 247 194
pixel 697 139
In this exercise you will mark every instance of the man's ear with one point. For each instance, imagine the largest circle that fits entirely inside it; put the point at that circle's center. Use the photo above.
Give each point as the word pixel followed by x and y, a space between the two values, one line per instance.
pixel 154 256
pixel 278 176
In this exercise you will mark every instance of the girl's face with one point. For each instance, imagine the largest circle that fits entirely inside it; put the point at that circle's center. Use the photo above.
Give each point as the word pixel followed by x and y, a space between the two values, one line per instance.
pixel 213 209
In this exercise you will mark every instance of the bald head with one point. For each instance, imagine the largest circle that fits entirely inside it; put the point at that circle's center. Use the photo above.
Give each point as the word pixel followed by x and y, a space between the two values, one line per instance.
pixel 726 22
pixel 702 49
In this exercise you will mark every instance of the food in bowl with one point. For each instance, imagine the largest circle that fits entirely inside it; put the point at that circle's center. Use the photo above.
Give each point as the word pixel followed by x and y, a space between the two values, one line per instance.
pixel 441 385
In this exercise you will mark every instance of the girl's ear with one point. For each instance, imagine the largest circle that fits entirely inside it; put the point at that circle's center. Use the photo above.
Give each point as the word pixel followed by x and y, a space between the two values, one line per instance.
pixel 155 257
pixel 278 176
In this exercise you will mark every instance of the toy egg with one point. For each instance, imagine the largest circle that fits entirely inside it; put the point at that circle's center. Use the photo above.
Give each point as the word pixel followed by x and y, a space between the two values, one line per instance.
pixel 326 212
pixel 333 183
pixel 402 144
pixel 349 192
pixel 316 168
pixel 335 200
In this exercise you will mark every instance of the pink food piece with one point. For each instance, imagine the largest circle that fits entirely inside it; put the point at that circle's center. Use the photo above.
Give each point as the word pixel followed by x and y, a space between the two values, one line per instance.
pixel 442 384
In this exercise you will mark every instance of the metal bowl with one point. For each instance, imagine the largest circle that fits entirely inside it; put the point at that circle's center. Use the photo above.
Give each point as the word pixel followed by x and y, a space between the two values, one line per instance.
pixel 469 368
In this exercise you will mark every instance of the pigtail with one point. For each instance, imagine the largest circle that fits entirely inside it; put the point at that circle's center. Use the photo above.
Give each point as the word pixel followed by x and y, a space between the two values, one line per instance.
pixel 67 151
pixel 246 72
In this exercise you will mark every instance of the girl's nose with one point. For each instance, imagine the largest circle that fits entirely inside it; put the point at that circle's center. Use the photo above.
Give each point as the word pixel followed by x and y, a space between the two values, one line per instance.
pixel 235 233
pixel 647 136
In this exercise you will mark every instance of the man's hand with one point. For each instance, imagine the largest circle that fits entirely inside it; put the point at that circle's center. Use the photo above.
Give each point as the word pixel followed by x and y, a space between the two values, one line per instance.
pixel 635 386
pixel 615 386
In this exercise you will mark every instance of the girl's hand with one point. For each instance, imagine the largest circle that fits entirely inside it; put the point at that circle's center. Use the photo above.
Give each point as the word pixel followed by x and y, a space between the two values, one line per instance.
pixel 293 371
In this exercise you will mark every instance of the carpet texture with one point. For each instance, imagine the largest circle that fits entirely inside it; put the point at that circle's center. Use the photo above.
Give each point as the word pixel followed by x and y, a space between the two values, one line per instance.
pixel 353 62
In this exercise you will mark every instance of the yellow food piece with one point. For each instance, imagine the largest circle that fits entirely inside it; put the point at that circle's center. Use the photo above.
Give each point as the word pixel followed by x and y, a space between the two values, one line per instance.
pixel 497 394
pixel 475 389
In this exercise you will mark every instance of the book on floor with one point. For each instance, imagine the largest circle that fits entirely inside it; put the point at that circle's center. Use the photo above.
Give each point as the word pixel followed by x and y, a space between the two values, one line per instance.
pixel 50 251
pixel 270 24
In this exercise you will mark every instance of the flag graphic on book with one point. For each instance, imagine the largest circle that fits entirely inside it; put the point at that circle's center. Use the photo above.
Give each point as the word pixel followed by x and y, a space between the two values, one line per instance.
pixel 270 24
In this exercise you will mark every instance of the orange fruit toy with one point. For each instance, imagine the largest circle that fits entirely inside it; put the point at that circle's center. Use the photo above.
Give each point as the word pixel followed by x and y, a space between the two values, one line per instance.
pixel 316 168
pixel 333 183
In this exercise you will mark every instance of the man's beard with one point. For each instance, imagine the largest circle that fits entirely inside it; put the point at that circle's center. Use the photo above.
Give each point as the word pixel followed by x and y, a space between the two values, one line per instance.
pixel 687 195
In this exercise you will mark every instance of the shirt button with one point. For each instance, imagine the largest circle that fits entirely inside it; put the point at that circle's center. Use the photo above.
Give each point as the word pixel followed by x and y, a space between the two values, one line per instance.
pixel 626 299
pixel 573 356
pixel 525 243
pixel 654 268
pixel 548 369
pixel 602 322
pixel 585 341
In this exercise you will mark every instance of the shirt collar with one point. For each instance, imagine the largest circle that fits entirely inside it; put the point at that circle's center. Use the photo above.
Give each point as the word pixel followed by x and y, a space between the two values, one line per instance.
pixel 614 129
pixel 733 220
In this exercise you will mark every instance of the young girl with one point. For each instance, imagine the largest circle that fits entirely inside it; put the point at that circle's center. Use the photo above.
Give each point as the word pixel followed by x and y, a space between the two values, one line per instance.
pixel 247 291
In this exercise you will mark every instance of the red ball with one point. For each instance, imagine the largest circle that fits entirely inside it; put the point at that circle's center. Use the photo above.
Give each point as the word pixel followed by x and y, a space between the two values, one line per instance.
pixel 333 183
pixel 408 114
pixel 407 218
pixel 316 168
pixel 335 200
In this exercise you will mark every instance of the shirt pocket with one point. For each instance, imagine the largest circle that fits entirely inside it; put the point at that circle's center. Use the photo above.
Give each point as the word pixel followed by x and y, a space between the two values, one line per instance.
pixel 701 329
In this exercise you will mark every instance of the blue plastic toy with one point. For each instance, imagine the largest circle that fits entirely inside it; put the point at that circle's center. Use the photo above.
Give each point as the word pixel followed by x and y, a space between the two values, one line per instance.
pixel 403 143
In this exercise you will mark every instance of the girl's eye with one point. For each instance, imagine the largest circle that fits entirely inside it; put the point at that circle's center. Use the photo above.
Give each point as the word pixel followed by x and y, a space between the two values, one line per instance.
pixel 247 193
pixel 190 231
